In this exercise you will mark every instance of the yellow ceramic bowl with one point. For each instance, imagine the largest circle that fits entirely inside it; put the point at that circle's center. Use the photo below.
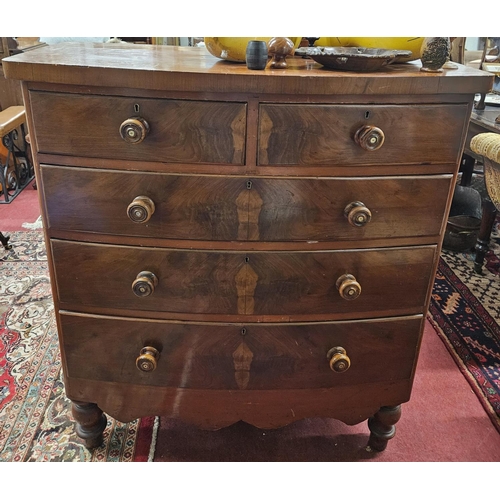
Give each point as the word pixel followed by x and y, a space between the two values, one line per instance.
pixel 234 48
pixel 391 43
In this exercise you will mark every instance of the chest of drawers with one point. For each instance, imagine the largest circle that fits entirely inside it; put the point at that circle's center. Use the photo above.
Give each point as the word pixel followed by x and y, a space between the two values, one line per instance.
pixel 231 245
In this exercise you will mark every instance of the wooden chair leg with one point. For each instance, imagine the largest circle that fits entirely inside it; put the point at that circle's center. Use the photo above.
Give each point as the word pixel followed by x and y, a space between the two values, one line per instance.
pixel 483 239
pixel 467 169
pixel 4 240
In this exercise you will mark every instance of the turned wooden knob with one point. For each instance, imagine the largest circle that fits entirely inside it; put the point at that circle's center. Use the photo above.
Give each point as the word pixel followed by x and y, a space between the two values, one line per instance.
pixel 357 214
pixel 144 284
pixel 148 359
pixel 370 138
pixel 134 130
pixel 348 287
pixel 339 360
pixel 141 209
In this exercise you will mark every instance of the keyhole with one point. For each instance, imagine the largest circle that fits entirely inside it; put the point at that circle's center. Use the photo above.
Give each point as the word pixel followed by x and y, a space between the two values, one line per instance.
pixel 136 108
pixel 247 259
pixel 367 115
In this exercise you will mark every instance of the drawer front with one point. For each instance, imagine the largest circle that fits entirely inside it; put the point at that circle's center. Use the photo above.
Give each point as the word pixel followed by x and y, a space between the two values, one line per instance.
pixel 183 207
pixel 325 134
pixel 224 208
pixel 179 131
pixel 252 283
pixel 238 356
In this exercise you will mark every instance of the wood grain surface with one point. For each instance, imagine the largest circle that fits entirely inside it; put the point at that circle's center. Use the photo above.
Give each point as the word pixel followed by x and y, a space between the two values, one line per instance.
pixel 324 134
pixel 268 283
pixel 195 69
pixel 180 131
pixel 208 356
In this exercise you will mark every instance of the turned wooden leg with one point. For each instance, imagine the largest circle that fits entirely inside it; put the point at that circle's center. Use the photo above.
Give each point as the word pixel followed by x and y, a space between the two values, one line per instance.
pixel 4 240
pixel 382 426
pixel 483 238
pixel 467 169
pixel 90 423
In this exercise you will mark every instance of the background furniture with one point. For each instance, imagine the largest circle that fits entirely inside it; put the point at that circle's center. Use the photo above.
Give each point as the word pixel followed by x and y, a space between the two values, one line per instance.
pixel 482 121
pixel 487 145
pixel 16 170
pixel 234 245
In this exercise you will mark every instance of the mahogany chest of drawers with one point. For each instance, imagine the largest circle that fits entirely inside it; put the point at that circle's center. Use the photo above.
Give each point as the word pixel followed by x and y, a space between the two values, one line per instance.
pixel 231 245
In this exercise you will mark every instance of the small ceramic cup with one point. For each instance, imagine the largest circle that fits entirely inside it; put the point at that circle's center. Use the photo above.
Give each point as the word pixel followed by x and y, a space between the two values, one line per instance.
pixel 256 54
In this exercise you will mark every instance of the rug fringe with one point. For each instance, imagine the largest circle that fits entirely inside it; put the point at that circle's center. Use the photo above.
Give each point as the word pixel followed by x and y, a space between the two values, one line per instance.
pixel 154 437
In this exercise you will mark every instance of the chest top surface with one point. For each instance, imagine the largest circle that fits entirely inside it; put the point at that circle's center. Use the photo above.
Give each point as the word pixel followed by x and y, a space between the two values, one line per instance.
pixel 194 69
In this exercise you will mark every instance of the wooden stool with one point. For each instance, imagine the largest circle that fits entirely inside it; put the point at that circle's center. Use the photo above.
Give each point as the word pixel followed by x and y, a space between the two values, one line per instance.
pixel 487 145
pixel 11 119
pixel 4 240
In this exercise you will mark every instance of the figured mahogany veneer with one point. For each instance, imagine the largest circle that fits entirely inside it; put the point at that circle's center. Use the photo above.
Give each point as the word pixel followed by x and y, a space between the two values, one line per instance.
pixel 242 283
pixel 239 356
pixel 243 208
pixel 231 245
pixel 326 134
pixel 179 130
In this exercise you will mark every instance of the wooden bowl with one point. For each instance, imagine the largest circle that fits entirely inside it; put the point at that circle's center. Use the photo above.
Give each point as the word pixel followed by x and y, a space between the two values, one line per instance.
pixel 353 58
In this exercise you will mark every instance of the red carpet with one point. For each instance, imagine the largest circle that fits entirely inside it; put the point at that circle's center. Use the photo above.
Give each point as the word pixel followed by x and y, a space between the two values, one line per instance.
pixel 24 209
pixel 443 422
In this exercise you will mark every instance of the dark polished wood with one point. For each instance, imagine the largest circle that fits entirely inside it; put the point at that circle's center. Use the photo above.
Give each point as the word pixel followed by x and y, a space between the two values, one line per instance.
pixel 179 131
pixel 228 245
pixel 244 283
pixel 326 134
pixel 90 423
pixel 243 208
pixel 213 356
pixel 382 427
pixel 191 69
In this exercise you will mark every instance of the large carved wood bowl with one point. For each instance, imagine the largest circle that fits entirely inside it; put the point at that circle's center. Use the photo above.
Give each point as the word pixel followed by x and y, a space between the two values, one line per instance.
pixel 412 43
pixel 353 58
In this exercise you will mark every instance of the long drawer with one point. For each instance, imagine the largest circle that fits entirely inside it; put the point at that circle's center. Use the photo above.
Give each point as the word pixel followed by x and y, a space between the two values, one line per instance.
pixel 241 208
pixel 315 134
pixel 237 283
pixel 239 356
pixel 179 131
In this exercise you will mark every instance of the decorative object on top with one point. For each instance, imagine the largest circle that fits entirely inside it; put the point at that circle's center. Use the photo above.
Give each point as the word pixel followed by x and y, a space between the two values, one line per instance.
pixel 434 53
pixel 280 48
pixel 353 58
pixel 411 43
pixel 311 40
pixel 256 55
pixel 234 48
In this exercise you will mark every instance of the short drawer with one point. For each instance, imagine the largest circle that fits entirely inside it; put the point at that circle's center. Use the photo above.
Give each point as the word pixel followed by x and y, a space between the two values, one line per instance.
pixel 239 356
pixel 239 208
pixel 180 131
pixel 299 134
pixel 243 283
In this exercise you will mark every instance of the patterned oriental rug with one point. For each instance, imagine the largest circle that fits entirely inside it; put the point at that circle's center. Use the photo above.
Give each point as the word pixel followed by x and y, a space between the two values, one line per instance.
pixel 465 312
pixel 35 416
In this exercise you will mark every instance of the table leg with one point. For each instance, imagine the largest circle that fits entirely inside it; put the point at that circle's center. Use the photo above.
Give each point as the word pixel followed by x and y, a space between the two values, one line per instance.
pixel 483 239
